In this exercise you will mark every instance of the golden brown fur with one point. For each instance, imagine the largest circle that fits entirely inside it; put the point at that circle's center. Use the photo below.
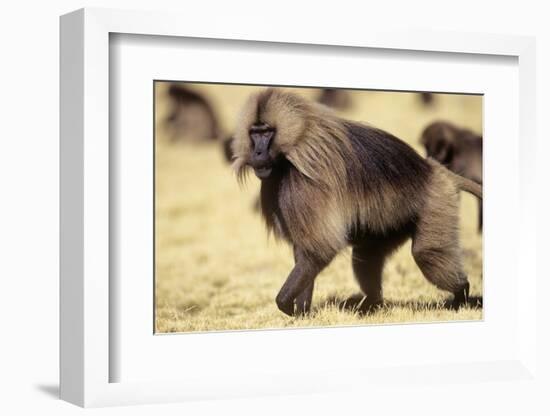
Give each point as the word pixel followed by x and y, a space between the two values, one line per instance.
pixel 336 182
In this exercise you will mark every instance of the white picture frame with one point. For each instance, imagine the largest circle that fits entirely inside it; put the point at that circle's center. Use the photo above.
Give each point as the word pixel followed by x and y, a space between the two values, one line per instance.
pixel 86 355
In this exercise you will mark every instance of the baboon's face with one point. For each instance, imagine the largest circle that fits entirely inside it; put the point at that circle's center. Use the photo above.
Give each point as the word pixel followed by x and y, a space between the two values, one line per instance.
pixel 264 156
pixel 270 127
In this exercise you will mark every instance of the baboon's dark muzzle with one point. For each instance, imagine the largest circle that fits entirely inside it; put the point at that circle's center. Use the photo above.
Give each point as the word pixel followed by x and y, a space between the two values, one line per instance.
pixel 260 156
pixel 261 160
pixel 261 143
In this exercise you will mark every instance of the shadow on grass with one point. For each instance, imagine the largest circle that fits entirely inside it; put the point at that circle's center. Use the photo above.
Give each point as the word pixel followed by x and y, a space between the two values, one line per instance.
pixel 357 303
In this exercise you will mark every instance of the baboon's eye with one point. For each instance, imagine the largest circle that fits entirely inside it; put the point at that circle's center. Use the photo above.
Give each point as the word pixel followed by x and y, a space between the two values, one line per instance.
pixel 261 136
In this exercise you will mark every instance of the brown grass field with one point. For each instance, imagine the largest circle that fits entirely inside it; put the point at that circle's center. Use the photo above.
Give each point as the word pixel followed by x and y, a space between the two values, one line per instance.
pixel 216 269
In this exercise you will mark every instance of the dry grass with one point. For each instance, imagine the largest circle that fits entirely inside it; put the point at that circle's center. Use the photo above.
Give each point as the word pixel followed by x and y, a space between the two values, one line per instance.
pixel 216 268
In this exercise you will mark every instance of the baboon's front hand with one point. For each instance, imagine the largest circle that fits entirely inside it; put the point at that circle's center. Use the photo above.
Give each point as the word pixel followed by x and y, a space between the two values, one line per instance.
pixel 285 305
pixel 297 307
pixel 295 295
pixel 297 281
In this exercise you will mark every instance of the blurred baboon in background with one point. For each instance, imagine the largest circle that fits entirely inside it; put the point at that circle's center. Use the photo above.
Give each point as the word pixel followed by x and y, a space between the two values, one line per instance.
pixel 460 150
pixel 191 116
pixel 427 98
pixel 335 98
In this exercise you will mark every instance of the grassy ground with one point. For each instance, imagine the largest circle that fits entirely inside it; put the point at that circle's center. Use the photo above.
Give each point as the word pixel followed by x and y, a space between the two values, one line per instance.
pixel 217 270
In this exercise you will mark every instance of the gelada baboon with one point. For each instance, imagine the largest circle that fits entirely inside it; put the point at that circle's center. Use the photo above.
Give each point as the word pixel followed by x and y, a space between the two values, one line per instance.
pixel 427 98
pixel 460 150
pixel 328 182
pixel 191 116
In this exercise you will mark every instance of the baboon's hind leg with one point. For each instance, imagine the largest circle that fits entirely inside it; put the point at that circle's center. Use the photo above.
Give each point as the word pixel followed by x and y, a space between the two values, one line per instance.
pixel 368 260
pixel 436 248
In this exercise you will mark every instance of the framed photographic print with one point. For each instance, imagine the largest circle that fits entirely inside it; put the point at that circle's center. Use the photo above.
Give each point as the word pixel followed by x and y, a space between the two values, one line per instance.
pixel 285 213
pixel 216 270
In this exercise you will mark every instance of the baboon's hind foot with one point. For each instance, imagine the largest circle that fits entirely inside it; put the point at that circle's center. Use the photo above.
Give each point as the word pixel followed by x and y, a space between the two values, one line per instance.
pixel 461 297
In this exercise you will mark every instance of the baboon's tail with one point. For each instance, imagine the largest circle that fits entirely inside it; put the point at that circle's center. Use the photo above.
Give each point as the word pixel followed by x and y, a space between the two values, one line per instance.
pixel 468 185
